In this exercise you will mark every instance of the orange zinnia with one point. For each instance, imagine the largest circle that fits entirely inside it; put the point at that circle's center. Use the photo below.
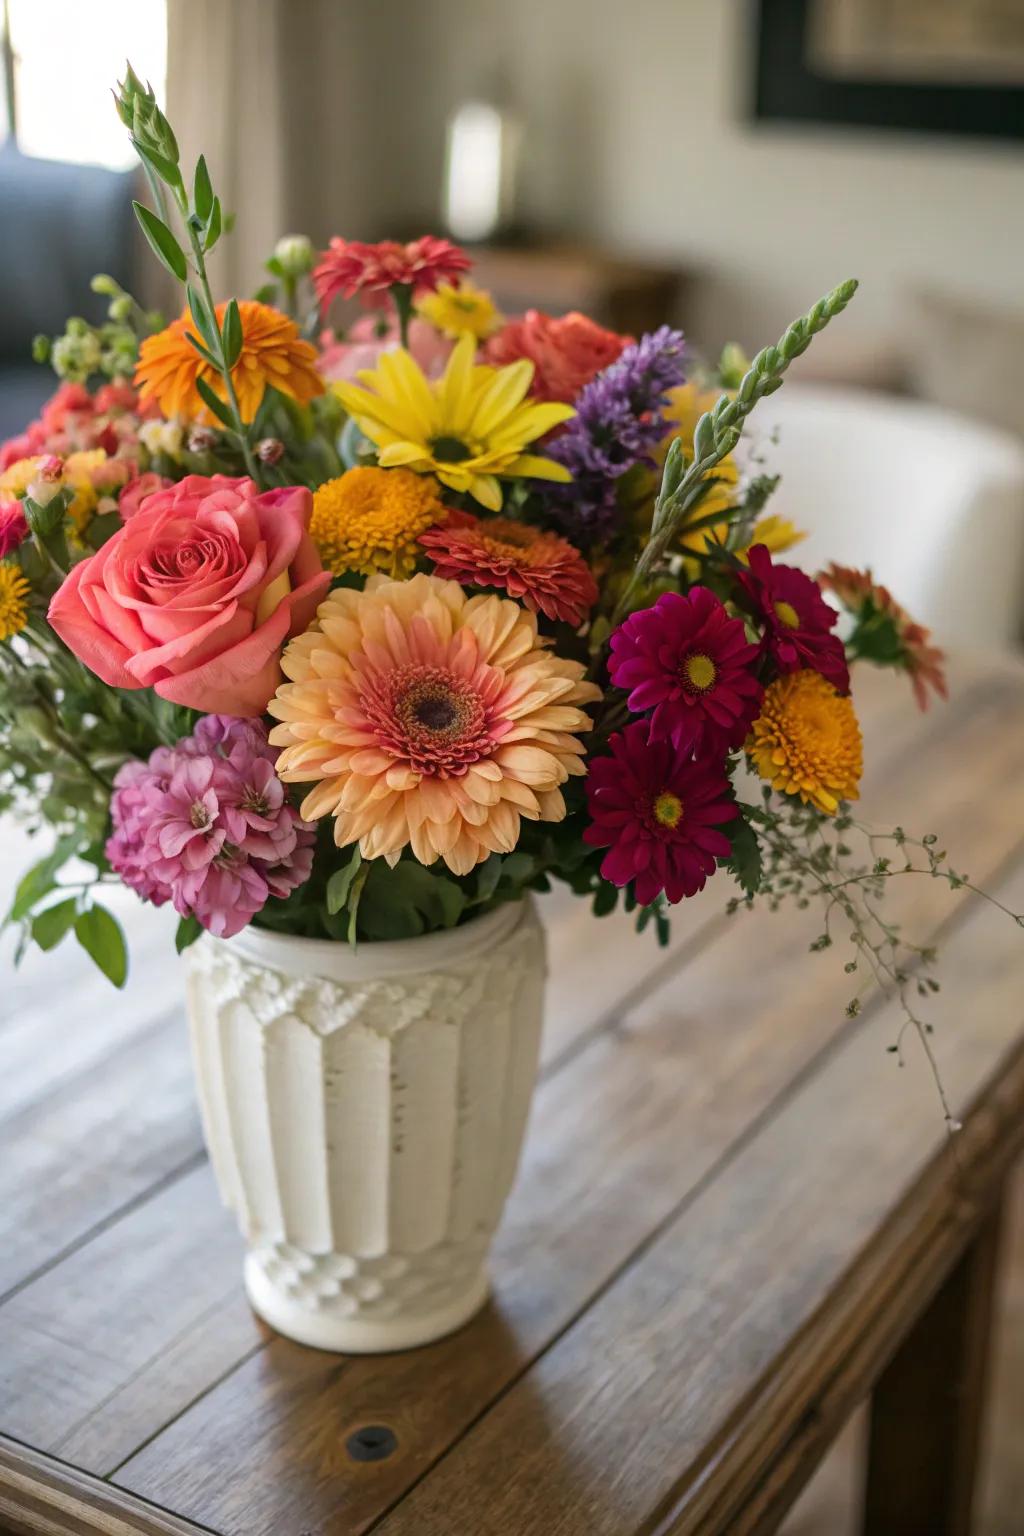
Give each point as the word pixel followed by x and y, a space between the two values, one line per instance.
pixel 273 354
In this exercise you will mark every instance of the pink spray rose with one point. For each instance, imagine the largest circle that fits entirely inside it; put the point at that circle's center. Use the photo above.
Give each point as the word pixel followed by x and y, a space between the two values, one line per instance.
pixel 13 527
pixel 197 594
pixel 367 341
pixel 139 490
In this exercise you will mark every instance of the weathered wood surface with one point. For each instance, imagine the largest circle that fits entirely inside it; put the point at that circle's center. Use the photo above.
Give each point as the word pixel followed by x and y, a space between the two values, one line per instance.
pixel 732 1209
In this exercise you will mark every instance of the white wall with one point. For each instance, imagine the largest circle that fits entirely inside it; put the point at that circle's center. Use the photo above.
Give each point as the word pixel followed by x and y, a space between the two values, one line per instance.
pixel 636 112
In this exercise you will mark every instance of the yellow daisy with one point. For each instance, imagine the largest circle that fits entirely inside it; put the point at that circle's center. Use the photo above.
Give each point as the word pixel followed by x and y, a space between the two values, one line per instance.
pixel 456 310
pixel 468 428
pixel 14 591
pixel 370 519
pixel 807 742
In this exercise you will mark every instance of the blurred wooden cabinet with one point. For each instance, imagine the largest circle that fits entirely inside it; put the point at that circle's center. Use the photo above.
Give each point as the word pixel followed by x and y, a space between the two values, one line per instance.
pixel 629 296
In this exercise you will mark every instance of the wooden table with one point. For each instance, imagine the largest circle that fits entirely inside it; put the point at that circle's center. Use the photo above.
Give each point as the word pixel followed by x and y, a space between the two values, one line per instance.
pixel 735 1218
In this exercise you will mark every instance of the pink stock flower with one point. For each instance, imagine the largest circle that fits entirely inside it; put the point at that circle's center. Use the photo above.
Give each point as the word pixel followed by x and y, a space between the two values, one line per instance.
pixel 13 527
pixel 197 594
pixel 206 825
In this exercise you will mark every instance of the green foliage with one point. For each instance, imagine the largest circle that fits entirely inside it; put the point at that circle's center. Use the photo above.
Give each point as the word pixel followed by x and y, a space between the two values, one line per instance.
pixel 102 937
pixel 744 861
pixel 186 933
pixel 162 242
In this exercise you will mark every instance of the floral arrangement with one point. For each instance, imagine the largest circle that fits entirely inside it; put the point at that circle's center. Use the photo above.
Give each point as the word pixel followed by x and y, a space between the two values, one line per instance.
pixel 355 633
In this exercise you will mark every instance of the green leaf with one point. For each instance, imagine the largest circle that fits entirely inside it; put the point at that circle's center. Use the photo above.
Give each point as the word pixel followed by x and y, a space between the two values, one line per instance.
pixel 231 334
pixel 487 877
pixel 50 926
pixel 744 862
pixel 202 191
pixel 102 528
pixel 408 900
pixel 217 406
pixel 162 242
pixel 41 879
pixel 605 898
pixel 186 933
pixel 267 294
pixel 202 315
pixel 213 226
pixel 204 352
pixel 354 902
pixel 101 936
pixel 340 883
pixel 164 168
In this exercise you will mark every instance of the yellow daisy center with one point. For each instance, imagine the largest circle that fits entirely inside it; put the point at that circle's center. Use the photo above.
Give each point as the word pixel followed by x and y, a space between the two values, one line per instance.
pixel 787 615
pixel 370 519
pixel 14 591
pixel 807 741
pixel 668 809
pixel 699 672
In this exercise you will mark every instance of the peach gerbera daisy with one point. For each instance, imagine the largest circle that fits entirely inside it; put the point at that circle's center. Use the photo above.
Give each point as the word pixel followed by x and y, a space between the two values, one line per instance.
pixel 273 354
pixel 428 719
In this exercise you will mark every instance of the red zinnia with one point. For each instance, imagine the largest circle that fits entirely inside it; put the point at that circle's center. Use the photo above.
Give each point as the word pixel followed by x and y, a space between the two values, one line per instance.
pixel 657 811
pixel 693 665
pixel 352 266
pixel 566 351
pixel 869 601
pixel 796 618
pixel 543 571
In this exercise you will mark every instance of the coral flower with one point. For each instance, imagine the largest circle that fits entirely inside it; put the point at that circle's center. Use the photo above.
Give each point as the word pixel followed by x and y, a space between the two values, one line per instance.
pixel 468 428
pixel 566 351
pixel 370 519
pixel 349 267
pixel 807 741
pixel 429 720
pixel 14 591
pixel 658 812
pixel 273 356
pixel 885 631
pixel 456 310
pixel 796 617
pixel 691 664
pixel 540 569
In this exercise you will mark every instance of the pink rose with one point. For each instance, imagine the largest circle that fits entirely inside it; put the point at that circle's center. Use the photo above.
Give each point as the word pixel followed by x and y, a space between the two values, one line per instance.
pixel 13 527
pixel 139 490
pixel 197 594
pixel 566 351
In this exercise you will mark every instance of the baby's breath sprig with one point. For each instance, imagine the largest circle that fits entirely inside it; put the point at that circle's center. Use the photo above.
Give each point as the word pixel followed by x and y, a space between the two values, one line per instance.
pixel 807 856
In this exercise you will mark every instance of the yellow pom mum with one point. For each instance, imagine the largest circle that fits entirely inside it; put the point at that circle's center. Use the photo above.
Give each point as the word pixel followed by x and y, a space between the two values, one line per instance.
pixel 465 308
pixel 370 519
pixel 807 741
pixel 14 591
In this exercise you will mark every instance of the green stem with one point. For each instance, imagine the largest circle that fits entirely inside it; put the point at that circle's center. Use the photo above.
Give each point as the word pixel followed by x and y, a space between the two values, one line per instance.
pixel 402 295
pixel 717 434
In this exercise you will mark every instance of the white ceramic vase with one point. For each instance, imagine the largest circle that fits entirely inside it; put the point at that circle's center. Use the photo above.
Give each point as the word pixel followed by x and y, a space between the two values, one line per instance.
pixel 364 1113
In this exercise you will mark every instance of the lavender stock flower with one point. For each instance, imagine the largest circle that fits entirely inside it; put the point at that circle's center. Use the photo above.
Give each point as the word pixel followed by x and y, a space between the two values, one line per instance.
pixel 617 424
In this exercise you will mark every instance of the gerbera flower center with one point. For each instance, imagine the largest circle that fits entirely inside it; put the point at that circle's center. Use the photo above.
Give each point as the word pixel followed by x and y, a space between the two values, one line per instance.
pixel 699 672
pixel 668 809
pixel 430 718
pixel 787 615
pixel 450 450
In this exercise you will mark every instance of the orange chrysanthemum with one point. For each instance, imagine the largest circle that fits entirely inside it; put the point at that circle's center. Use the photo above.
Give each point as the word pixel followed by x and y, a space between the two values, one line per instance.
pixel 807 742
pixel 273 354
pixel 428 719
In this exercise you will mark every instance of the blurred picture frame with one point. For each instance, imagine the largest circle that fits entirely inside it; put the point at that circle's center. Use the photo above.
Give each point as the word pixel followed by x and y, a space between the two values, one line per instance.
pixel 953 67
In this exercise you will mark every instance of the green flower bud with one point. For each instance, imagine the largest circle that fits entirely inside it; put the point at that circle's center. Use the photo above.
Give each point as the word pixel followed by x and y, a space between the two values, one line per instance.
pixel 732 365
pixel 41 349
pixel 295 255
pixel 103 283
pixel 76 355
pixel 120 308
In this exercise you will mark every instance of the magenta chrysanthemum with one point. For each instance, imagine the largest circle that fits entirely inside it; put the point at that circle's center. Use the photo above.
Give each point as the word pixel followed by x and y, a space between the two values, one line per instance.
pixel 207 826
pixel 657 811
pixel 796 618
pixel 690 663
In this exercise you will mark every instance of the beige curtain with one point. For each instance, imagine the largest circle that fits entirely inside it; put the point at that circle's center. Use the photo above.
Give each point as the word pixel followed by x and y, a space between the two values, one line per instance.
pixel 297 105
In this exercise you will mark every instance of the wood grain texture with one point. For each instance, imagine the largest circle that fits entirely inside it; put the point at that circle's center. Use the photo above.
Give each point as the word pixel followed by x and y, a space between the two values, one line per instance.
pixel 661 1409
pixel 42 1497
pixel 731 1210
pixel 621 1136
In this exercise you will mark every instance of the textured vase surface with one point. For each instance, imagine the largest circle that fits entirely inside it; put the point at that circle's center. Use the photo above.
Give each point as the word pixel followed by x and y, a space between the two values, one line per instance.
pixel 364 1113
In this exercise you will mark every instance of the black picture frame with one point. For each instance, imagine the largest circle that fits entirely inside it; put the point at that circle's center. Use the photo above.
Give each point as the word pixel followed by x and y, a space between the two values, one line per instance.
pixel 787 90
